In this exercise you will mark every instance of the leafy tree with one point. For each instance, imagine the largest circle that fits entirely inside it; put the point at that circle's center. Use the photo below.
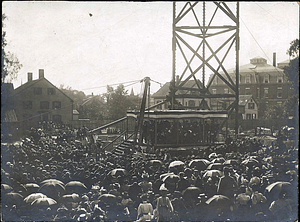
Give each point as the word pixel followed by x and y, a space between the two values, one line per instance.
pixel 10 64
pixel 292 74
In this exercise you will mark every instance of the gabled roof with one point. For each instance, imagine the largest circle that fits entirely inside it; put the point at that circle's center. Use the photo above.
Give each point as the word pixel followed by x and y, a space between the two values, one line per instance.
pixel 32 83
pixel 165 89
pixel 244 99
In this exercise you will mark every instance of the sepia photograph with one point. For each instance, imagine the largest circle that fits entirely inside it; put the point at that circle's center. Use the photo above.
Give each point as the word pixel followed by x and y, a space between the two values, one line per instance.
pixel 150 111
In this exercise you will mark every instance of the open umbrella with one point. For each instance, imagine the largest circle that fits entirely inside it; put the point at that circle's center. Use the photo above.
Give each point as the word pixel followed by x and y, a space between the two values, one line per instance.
pixel 43 201
pixel 191 192
pixel 119 172
pixel 75 187
pixel 215 166
pixel 219 201
pixel 13 198
pixel 52 180
pixel 176 163
pixel 212 173
pixel 200 164
pixel 5 188
pixel 52 189
pixel 32 197
pixel 277 187
pixel 75 198
pixel 171 179
pixel 108 198
pixel 32 187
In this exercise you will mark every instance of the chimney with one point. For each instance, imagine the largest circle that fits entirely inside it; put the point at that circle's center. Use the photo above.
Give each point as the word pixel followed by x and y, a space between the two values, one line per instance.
pixel 29 76
pixel 177 78
pixel 41 73
pixel 274 59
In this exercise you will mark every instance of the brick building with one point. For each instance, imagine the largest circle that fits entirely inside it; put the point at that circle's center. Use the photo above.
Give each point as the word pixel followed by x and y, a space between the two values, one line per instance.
pixel 39 100
pixel 266 83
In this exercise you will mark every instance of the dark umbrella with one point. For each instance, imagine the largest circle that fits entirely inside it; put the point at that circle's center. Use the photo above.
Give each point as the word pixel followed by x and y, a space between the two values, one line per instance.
pixel 200 164
pixel 44 201
pixel 75 187
pixel 171 178
pixel 52 189
pixel 277 187
pixel 191 192
pixel 52 180
pixel 5 188
pixel 219 201
pixel 32 187
pixel 215 166
pixel 108 198
pixel 176 163
pixel 32 197
pixel 13 198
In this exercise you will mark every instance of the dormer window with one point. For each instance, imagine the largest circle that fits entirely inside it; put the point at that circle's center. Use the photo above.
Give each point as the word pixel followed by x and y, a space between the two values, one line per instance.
pixel 280 79
pixel 266 78
pixel 247 79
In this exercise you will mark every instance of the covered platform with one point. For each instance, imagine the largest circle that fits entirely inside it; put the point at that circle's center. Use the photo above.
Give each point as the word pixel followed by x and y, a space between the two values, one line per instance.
pixel 181 128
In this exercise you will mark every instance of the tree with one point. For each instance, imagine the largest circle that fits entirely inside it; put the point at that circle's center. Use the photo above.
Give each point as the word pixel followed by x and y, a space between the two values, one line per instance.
pixel 10 64
pixel 292 71
pixel 292 74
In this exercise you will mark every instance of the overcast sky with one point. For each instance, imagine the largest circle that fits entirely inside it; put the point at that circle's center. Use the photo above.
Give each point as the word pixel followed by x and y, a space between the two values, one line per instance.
pixel 87 45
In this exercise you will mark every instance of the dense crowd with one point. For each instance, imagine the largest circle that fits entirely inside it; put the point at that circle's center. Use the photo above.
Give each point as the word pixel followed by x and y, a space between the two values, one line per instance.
pixel 52 175
pixel 180 131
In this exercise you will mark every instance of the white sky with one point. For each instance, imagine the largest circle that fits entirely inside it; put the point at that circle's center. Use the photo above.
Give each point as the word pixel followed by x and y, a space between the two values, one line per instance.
pixel 125 41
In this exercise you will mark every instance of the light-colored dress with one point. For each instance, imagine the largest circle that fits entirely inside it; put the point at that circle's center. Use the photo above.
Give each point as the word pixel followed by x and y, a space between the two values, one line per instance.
pixel 145 211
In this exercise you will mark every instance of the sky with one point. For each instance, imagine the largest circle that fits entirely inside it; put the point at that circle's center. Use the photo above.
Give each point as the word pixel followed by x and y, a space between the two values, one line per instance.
pixel 88 45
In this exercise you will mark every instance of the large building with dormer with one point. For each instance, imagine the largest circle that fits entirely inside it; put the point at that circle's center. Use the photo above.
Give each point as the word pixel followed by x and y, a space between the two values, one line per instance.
pixel 266 83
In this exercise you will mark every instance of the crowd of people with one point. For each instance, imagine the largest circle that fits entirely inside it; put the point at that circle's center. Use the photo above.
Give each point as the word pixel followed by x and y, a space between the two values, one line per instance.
pixel 180 131
pixel 242 180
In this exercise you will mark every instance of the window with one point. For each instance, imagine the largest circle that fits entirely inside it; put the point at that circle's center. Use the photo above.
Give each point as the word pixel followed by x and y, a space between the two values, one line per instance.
pixel 279 103
pixel 56 118
pixel 44 105
pixel 214 91
pixel 247 91
pixel 251 105
pixel 266 92
pixel 279 79
pixel 160 106
pixel 226 90
pixel 43 116
pixel 279 92
pixel 27 104
pixel 253 116
pixel 266 79
pixel 192 103
pixel 37 91
pixel 248 116
pixel 51 91
pixel 247 79
pixel 56 105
